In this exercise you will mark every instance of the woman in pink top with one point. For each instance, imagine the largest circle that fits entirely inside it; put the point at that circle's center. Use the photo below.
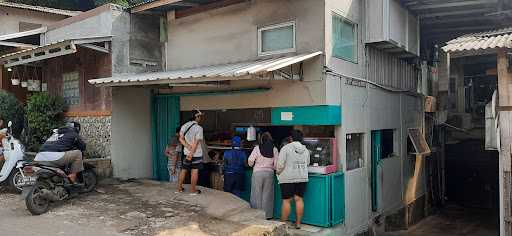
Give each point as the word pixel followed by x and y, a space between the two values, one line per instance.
pixel 262 159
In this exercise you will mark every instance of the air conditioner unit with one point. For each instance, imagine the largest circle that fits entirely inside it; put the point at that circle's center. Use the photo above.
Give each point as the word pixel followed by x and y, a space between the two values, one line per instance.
pixel 391 27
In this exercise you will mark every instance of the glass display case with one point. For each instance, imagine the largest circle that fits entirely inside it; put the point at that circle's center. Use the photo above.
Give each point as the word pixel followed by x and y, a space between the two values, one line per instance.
pixel 323 155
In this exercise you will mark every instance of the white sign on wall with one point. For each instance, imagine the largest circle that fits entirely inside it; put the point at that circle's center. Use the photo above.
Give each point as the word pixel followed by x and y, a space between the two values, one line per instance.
pixel 287 116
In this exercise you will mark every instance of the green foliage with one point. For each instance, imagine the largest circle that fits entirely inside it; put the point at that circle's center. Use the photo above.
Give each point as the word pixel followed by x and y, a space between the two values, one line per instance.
pixel 44 113
pixel 11 110
pixel 124 3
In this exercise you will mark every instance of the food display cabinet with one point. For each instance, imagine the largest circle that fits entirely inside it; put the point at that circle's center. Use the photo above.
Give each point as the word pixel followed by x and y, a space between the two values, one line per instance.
pixel 323 155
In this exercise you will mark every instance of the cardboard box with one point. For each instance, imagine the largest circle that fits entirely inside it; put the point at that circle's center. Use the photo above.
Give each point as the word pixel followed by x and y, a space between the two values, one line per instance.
pixel 430 104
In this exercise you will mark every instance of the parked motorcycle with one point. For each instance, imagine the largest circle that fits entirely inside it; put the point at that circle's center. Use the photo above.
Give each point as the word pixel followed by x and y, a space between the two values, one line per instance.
pixel 43 184
pixel 13 152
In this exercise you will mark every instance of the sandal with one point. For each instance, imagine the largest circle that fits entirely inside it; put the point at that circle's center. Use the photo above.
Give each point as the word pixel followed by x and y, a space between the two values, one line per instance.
pixel 196 193
pixel 181 190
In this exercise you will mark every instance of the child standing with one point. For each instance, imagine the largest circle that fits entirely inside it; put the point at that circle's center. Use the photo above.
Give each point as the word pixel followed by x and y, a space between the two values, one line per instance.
pixel 234 168
pixel 173 151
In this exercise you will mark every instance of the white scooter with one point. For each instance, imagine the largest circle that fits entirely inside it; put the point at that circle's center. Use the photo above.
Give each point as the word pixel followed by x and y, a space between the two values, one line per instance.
pixel 13 152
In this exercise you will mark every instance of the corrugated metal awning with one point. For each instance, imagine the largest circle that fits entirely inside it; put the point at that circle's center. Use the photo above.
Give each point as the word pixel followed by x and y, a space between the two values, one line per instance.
pixel 23 34
pixel 55 49
pixel 205 74
pixel 39 8
pixel 481 41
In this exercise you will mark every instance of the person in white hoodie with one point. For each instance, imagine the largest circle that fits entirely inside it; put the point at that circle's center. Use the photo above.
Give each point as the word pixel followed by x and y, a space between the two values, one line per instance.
pixel 292 174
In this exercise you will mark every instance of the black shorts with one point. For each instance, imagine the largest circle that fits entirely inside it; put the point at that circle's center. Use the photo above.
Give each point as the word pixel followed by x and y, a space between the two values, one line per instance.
pixel 194 164
pixel 187 165
pixel 293 189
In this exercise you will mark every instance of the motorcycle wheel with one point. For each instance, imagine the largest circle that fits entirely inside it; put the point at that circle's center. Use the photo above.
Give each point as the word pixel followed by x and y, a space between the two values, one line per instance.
pixel 35 203
pixel 14 180
pixel 90 180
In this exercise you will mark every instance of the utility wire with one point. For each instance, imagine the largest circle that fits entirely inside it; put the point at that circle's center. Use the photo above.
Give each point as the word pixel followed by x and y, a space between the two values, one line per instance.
pixel 446 124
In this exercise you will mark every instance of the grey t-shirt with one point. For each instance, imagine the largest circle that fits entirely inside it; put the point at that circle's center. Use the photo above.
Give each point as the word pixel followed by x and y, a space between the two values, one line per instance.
pixel 194 133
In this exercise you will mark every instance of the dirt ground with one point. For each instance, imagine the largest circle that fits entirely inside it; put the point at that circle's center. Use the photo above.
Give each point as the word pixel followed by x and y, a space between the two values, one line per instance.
pixel 120 209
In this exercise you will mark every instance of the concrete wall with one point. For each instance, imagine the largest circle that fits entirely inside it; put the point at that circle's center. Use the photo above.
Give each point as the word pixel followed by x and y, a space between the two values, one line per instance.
pixel 98 25
pixel 137 38
pixel 312 91
pixel 230 34
pixel 400 181
pixel 11 18
pixel 131 133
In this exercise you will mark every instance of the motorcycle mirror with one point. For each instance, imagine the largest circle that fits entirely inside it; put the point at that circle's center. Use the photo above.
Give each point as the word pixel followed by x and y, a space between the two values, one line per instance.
pixel 9 124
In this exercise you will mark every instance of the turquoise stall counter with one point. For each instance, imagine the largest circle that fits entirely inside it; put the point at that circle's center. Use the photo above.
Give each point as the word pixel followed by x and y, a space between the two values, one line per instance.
pixel 324 200
pixel 307 115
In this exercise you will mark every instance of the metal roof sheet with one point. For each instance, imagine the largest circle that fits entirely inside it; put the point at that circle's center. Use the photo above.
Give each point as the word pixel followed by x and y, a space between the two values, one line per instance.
pixel 73 41
pixel 501 38
pixel 39 8
pixel 220 72
pixel 23 33
pixel 61 47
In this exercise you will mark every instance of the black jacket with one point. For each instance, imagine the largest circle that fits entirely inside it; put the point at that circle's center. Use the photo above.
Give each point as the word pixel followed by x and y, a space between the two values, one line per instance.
pixel 66 139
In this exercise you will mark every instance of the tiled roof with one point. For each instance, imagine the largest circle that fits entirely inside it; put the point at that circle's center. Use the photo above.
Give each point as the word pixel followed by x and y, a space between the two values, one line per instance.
pixel 501 38
pixel 39 8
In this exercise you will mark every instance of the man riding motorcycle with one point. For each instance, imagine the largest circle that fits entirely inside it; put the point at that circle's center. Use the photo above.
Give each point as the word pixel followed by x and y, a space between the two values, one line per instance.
pixel 63 148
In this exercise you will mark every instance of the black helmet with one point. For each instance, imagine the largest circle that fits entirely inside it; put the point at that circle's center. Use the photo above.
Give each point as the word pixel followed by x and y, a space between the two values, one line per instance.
pixel 75 125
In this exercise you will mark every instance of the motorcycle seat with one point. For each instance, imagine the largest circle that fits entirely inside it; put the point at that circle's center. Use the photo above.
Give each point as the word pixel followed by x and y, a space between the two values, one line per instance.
pixel 51 165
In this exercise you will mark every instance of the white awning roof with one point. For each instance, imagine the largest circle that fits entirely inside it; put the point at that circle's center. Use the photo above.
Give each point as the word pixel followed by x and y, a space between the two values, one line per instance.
pixel 23 34
pixel 205 74
pixel 55 49
pixel 39 8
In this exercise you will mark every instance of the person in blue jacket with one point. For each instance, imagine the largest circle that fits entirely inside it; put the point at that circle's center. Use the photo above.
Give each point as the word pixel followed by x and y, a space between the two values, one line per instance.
pixel 235 161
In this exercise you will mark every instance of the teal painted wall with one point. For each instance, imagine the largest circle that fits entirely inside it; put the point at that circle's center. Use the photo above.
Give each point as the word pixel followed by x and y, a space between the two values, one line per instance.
pixel 307 115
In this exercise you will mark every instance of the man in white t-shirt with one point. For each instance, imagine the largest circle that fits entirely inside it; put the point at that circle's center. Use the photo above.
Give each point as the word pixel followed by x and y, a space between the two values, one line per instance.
pixel 191 137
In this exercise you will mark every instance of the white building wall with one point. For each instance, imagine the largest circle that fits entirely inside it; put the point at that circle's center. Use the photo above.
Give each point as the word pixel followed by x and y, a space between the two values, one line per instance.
pixel 365 110
pixel 10 19
pixel 131 133
pixel 230 34
pixel 351 10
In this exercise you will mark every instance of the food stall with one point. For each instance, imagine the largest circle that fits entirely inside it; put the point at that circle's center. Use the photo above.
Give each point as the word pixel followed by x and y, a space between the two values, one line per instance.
pixel 324 197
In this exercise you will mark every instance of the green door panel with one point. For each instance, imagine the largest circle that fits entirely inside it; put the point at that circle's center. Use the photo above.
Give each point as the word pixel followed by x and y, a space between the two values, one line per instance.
pixel 166 118
pixel 376 153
